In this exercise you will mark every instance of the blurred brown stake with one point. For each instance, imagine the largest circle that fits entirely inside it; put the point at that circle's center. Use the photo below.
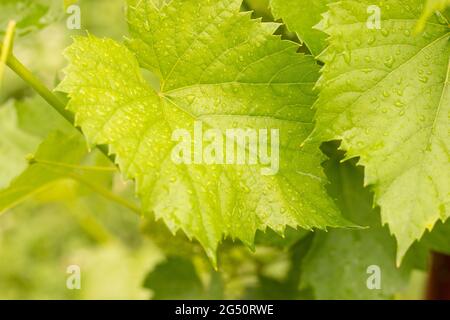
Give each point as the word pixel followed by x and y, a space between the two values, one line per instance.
pixel 439 281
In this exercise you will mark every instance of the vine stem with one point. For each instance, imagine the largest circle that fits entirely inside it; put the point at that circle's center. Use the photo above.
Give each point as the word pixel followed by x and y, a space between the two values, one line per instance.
pixel 72 166
pixel 40 88
pixel 48 96
pixel 7 45
pixel 106 193
pixel 60 107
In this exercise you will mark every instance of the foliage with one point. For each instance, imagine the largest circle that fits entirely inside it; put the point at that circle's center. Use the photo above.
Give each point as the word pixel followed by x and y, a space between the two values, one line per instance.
pixel 362 114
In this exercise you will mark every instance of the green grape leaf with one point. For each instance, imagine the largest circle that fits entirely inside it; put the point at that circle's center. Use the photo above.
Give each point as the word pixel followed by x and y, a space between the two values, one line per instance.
pixel 15 144
pixel 177 278
pixel 337 264
pixel 218 67
pixel 385 93
pixel 30 15
pixel 301 16
pixel 57 148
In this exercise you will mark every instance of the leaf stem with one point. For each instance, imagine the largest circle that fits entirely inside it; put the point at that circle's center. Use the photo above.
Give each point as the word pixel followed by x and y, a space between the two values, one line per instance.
pixel 60 107
pixel 48 96
pixel 7 45
pixel 40 88
pixel 106 193
pixel 89 223
pixel 73 166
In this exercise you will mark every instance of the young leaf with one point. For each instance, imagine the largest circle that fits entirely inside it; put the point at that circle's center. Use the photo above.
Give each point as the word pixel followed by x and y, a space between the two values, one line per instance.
pixel 58 148
pixel 15 144
pixel 218 66
pixel 301 17
pixel 386 95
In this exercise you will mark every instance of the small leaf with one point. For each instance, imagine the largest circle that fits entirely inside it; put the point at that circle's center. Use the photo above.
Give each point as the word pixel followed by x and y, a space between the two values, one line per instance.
pixel 58 148
pixel 15 144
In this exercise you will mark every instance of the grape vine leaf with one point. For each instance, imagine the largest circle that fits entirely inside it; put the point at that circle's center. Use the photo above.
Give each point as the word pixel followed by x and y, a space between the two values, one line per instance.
pixel 385 93
pixel 301 16
pixel 15 144
pixel 218 66
pixel 342 257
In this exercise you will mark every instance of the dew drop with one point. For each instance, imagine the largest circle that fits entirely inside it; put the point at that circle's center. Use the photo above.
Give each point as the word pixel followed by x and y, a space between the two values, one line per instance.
pixel 347 56
pixel 399 104
pixel 427 36
pixel 389 62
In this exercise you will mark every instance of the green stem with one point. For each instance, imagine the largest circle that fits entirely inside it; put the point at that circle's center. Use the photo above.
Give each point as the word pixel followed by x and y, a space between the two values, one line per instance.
pixel 89 223
pixel 72 166
pixel 40 88
pixel 48 96
pixel 60 107
pixel 106 193
pixel 7 45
